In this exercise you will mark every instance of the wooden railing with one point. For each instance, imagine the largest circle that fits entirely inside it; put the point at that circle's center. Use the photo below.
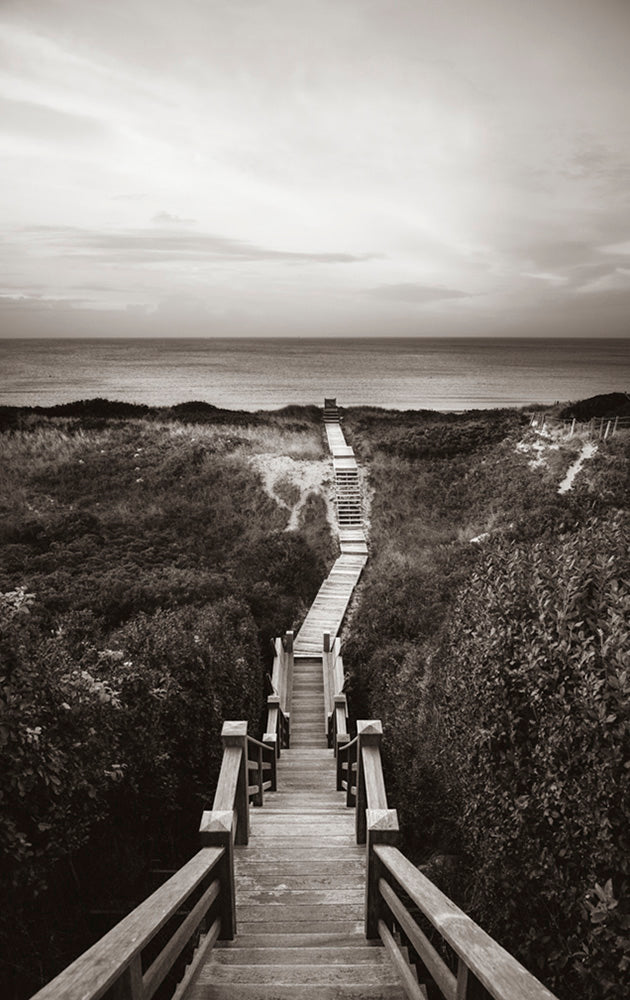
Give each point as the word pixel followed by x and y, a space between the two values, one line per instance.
pixel 398 896
pixel 181 921
pixel 335 702
pixel 278 726
pixel 117 967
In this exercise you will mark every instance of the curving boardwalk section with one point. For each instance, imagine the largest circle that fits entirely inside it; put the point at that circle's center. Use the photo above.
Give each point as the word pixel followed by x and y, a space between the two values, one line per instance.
pixel 300 883
pixel 329 607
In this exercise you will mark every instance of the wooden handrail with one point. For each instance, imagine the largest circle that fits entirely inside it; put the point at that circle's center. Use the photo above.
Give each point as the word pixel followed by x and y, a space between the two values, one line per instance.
pixel 482 963
pixel 116 959
pixel 278 725
pixel 480 957
pixel 335 702
pixel 227 823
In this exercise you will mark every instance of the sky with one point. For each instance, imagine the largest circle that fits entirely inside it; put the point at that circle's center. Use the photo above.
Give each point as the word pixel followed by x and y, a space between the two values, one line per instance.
pixel 314 168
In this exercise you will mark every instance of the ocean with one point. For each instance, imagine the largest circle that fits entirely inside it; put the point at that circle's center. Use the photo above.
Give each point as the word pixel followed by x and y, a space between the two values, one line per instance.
pixel 252 374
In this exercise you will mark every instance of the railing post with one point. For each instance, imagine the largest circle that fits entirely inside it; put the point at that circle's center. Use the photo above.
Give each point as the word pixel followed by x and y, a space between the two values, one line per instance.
pixel 129 985
pixel 288 663
pixel 369 733
pixel 382 828
pixel 352 759
pixel 340 713
pixel 342 739
pixel 216 831
pixel 259 800
pixel 327 678
pixel 274 722
pixel 271 740
pixel 234 734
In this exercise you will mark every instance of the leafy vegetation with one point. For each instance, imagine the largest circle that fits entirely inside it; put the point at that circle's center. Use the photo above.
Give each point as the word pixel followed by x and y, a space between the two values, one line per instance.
pixel 492 639
pixel 144 570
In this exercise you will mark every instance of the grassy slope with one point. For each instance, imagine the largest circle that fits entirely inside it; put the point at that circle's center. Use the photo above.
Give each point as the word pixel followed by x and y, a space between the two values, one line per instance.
pixel 472 776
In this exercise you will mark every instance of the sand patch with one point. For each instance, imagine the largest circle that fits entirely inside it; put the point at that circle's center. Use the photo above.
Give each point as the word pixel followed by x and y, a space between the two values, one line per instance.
pixel 305 476
pixel 588 450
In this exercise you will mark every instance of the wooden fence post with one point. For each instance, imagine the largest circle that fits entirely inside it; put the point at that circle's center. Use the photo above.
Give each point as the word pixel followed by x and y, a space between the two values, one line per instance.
pixel 382 828
pixel 342 739
pixel 271 740
pixel 129 986
pixel 369 733
pixel 289 660
pixel 216 831
pixel 273 722
pixel 234 734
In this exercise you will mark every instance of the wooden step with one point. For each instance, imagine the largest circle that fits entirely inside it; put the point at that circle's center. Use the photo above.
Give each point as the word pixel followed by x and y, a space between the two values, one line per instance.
pixel 283 991
pixel 310 991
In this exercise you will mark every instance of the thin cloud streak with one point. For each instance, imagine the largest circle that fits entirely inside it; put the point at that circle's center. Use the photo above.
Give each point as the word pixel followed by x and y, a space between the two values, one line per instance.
pixel 421 294
pixel 166 244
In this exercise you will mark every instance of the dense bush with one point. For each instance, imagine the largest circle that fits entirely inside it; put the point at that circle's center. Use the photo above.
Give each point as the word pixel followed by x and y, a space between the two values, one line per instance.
pixel 530 706
pixel 491 638
pixel 143 569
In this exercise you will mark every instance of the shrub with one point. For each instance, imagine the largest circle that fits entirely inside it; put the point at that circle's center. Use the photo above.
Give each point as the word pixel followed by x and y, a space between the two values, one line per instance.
pixel 530 697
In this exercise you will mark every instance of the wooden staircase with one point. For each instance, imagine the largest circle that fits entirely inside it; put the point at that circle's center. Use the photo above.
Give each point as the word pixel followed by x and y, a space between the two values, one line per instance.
pixel 300 882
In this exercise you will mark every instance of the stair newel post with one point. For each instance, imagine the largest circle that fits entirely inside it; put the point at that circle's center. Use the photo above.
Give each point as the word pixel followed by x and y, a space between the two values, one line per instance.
pixel 341 736
pixel 328 691
pixel 382 828
pixel 274 723
pixel 369 734
pixel 288 670
pixel 287 682
pixel 234 734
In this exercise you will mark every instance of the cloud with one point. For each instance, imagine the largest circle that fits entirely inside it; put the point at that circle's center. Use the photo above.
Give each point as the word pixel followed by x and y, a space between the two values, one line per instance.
pixel 37 303
pixel 166 219
pixel 160 246
pixel 29 118
pixel 410 292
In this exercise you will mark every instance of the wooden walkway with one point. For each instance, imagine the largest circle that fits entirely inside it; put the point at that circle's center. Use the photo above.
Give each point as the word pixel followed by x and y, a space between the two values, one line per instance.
pixel 329 607
pixel 300 883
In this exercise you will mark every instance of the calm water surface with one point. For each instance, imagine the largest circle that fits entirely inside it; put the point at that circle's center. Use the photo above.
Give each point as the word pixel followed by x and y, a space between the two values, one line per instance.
pixel 436 373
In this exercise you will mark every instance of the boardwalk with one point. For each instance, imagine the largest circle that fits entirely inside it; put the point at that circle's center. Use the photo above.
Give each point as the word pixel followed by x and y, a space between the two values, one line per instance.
pixel 300 883
pixel 329 607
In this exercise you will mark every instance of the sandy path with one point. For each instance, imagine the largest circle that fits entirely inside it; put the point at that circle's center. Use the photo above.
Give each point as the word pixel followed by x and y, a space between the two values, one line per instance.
pixel 588 450
pixel 308 476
